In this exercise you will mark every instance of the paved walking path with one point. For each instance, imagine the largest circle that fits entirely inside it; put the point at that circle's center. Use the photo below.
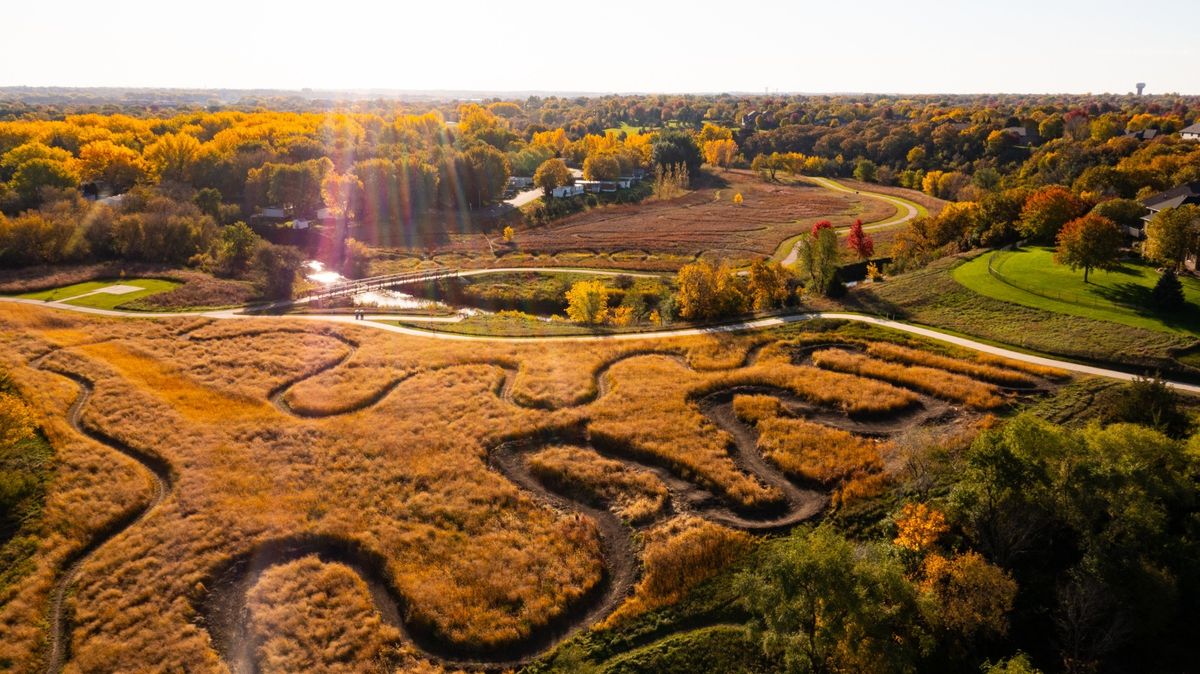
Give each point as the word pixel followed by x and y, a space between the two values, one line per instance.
pixel 374 321
pixel 906 212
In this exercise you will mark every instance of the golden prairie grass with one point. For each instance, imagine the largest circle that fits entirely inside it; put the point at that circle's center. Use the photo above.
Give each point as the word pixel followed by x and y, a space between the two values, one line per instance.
pixel 805 449
pixel 991 373
pixel 680 554
pixel 634 495
pixel 479 561
pixel 1032 368
pixel 939 383
pixel 195 401
pixel 309 616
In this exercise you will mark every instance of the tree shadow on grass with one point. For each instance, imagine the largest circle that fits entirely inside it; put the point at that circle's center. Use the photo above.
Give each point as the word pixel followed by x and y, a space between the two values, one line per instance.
pixel 1138 298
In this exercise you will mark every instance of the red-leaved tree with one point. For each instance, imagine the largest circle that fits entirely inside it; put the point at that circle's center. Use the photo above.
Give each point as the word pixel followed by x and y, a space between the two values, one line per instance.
pixel 819 225
pixel 860 242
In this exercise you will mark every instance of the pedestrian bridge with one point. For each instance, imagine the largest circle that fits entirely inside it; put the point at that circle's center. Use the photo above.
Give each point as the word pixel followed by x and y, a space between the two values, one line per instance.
pixel 362 285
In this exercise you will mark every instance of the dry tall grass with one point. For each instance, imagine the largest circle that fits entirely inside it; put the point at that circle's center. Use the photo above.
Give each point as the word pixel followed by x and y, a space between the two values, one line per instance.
pixel 986 372
pixel 401 470
pixel 634 495
pixel 805 449
pixel 940 383
pixel 307 616
pixel 680 554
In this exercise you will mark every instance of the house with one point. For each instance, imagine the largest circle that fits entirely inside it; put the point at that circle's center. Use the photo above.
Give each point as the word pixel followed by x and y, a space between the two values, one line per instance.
pixel 750 119
pixel 1191 133
pixel 1185 194
pixel 520 182
pixel 272 213
pixel 1026 135
pixel 563 191
pixel 1144 134
pixel 589 185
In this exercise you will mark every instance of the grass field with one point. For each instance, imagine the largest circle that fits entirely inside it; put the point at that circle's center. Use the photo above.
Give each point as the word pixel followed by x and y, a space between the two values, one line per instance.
pixel 1120 296
pixel 85 294
pixel 660 235
pixel 328 490
pixel 933 297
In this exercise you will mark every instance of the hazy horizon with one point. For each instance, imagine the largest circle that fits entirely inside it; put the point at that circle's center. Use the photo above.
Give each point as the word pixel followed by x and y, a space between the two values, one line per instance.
pixel 625 47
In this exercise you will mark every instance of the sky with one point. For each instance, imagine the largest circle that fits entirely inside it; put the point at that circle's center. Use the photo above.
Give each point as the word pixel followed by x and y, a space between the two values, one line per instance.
pixel 882 46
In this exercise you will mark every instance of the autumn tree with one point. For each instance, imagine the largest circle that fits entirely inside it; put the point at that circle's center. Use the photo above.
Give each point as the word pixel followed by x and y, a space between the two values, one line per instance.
pixel 737 199
pixel 711 132
pixel 172 156
pixel 601 167
pixel 551 174
pixel 1047 210
pixel 971 596
pixel 1172 234
pixel 587 302
pixel 1090 242
pixel 339 191
pixel 860 242
pixel 768 285
pixel 708 291
pixel 720 152
pixel 119 166
pixel 508 234
pixel 918 527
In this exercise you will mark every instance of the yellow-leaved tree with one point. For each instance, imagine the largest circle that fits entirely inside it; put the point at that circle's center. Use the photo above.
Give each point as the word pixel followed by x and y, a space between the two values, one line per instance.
pixel 587 302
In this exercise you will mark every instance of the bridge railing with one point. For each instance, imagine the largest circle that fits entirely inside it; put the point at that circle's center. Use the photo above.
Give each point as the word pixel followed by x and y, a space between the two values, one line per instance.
pixel 378 283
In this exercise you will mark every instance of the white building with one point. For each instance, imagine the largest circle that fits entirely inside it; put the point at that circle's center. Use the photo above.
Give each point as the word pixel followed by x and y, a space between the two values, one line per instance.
pixel 1191 133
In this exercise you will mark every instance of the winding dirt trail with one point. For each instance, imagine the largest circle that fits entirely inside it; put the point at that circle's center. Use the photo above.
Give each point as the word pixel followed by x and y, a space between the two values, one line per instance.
pixel 159 471
pixel 226 616
pixel 223 611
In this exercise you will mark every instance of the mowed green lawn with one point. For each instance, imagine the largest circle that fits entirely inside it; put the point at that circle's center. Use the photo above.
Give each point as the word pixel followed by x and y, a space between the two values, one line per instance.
pixel 149 286
pixel 1120 296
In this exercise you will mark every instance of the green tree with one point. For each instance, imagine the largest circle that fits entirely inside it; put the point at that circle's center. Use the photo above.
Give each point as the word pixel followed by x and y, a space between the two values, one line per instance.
pixel 822 604
pixel 1167 295
pixel 235 248
pixel 1090 242
pixel 489 173
pixel 865 170
pixel 676 147
pixel 35 175
pixel 1172 234
pixel 818 259
pixel 277 267
pixel 1124 212
pixel 587 302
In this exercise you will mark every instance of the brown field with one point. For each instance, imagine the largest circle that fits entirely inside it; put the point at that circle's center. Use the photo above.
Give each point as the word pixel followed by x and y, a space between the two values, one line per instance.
pixel 661 235
pixel 340 499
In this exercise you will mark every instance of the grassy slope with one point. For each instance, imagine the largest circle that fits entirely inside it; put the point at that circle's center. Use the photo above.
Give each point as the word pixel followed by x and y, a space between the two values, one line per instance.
pixel 932 297
pixel 1107 295
pixel 104 300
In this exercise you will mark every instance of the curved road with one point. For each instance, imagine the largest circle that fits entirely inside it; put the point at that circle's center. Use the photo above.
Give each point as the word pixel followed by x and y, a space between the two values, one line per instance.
pixel 906 212
pixel 373 321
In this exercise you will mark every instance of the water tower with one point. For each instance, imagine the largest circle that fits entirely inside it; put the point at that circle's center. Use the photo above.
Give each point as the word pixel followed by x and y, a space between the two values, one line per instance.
pixel 1141 86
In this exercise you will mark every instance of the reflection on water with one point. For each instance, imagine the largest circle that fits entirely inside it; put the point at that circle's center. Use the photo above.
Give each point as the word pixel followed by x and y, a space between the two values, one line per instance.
pixel 317 273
